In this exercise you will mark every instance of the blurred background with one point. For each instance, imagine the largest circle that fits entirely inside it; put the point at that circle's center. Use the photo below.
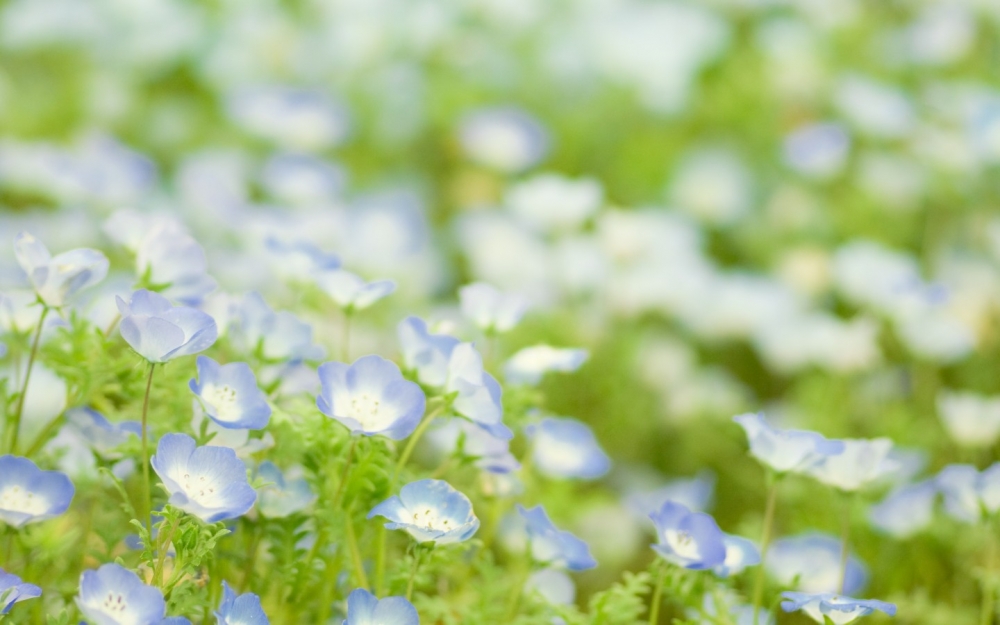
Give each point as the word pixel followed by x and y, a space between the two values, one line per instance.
pixel 780 205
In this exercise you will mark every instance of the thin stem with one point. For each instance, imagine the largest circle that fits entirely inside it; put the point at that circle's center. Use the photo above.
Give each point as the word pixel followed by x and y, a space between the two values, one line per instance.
pixel 989 598
pixel 654 603
pixel 413 573
pixel 765 542
pixel 352 543
pixel 147 496
pixel 380 561
pixel 163 543
pixel 845 540
pixel 346 473
pixel 411 443
pixel 251 560
pixel 15 425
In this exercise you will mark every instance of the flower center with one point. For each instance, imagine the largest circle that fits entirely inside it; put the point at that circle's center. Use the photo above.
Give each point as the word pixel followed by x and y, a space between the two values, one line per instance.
pixel 17 499
pixel 430 519
pixel 199 488
pixel 224 400
pixel 369 412
pixel 114 603
pixel 683 544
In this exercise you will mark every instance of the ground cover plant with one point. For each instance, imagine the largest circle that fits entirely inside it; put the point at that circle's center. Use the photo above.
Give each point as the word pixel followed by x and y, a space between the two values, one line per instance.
pixel 499 312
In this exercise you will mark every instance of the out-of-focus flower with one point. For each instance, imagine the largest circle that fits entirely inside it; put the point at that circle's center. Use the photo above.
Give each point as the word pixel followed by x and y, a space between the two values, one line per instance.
pixel 818 150
pixel 113 595
pixel 969 495
pixel 875 108
pixel 552 546
pixel 295 119
pixel 350 291
pixel 490 309
pixel 13 590
pixel 688 539
pixel 281 335
pixel 713 185
pixel 230 395
pixel 906 510
pixel 971 420
pixel 424 352
pixel 171 261
pixel 301 179
pixel 553 203
pixel 491 453
pixel 567 448
pixel 429 511
pixel 209 482
pixel 504 138
pixel 283 495
pixel 363 608
pixel 371 397
pixel 56 279
pixel 244 609
pixel 554 585
pixel 811 562
pixel 160 332
pixel 299 259
pixel 862 463
pixel 529 365
pixel 786 450
pixel 477 393
pixel 695 493
pixel 29 494
pixel 832 608
pixel 740 553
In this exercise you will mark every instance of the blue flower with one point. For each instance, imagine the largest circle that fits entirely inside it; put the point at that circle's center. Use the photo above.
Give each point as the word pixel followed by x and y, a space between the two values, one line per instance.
pixel 862 463
pixel 370 397
pixel 688 539
pixel 906 510
pixel 208 482
pixel 477 393
pixel 363 608
pixel 837 609
pixel 242 610
pixel 969 495
pixel 811 562
pixel 58 278
pixel 12 590
pixel 171 259
pixel 230 395
pixel 102 435
pixel 695 493
pixel 740 553
pixel 113 595
pixel 552 546
pixel 429 511
pixel 554 585
pixel 566 448
pixel 350 291
pixel 159 331
pixel 490 309
pixel 491 453
pixel 30 495
pixel 300 259
pixel 428 354
pixel 503 138
pixel 280 335
pixel 786 450
pixel 530 365
pixel 282 496
pixel 302 180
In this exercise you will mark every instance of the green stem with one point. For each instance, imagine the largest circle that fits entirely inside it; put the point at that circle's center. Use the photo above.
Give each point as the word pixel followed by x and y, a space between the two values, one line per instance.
pixel 765 542
pixel 654 603
pixel 163 543
pixel 352 544
pixel 251 560
pixel 413 573
pixel 411 443
pixel 380 561
pixel 15 425
pixel 147 496
pixel 989 605
pixel 346 473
